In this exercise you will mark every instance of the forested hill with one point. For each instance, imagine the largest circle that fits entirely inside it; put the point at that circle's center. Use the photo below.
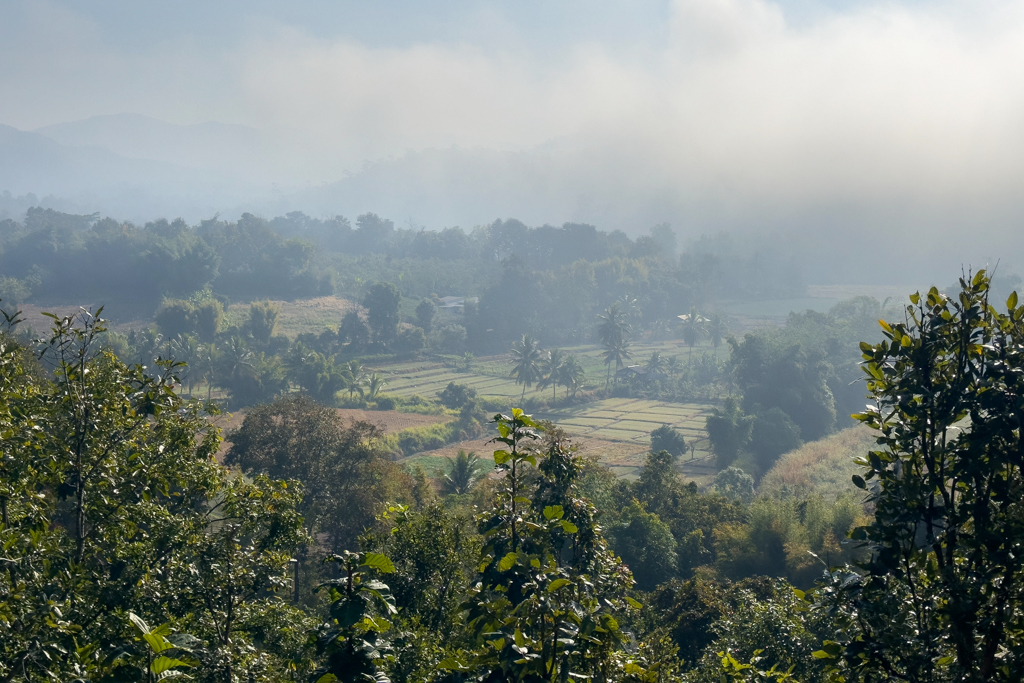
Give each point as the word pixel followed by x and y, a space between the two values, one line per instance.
pixel 573 270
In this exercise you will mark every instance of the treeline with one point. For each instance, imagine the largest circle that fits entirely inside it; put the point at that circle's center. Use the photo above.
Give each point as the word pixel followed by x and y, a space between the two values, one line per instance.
pixel 567 273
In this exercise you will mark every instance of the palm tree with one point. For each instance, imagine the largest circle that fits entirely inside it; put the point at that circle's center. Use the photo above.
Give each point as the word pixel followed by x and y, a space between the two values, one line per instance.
pixel 206 366
pixel 571 375
pixel 526 357
pixel 717 329
pixel 656 363
pixel 374 385
pixel 463 472
pixel 186 348
pixel 354 377
pixel 613 332
pixel 695 328
pixel 551 367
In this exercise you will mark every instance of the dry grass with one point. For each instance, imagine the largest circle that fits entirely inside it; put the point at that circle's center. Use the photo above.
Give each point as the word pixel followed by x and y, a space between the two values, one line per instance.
pixel 297 317
pixel 823 466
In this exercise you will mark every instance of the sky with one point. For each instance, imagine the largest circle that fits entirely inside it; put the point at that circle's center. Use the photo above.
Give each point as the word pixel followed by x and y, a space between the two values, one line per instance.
pixel 891 120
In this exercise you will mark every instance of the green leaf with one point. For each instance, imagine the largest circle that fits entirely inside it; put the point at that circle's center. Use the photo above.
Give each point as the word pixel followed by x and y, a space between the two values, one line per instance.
pixel 557 583
pixel 379 562
pixel 161 664
pixel 1011 303
pixel 553 512
pixel 157 642
pixel 501 457
pixel 821 654
pixel 633 603
pixel 568 527
pixel 328 678
pixel 858 481
pixel 507 562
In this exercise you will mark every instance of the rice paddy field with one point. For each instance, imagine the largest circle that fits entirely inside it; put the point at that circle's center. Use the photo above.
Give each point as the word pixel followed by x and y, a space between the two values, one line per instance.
pixel 617 431
pixel 302 315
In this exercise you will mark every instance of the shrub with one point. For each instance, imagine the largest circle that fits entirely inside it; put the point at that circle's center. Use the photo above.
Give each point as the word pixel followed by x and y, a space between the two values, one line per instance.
pixel 667 438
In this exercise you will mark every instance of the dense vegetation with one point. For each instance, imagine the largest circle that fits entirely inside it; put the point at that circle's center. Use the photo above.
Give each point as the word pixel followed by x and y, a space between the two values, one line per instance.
pixel 131 554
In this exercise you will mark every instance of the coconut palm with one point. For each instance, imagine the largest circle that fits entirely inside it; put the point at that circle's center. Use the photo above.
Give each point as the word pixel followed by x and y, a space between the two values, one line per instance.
pixel 464 470
pixel 186 349
pixel 354 377
pixel 526 362
pixel 571 374
pixel 613 332
pixel 551 368
pixel 618 353
pixel 695 328
pixel 374 385
pixel 656 363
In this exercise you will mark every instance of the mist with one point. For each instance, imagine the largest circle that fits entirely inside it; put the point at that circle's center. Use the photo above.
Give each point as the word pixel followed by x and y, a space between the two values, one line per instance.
pixel 826 125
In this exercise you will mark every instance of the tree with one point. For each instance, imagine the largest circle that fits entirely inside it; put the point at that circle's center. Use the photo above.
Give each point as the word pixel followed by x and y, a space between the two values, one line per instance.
pixel 695 328
pixel 456 396
pixel 728 431
pixel 939 597
pixel 375 383
pixel 613 332
pixel 734 483
pixel 425 312
pixel 343 468
pixel 646 546
pixel 353 331
pixel 186 350
pixel 263 317
pixel 551 370
pixel 772 434
pixel 463 473
pixel 667 438
pixel 571 375
pixel 526 362
pixel 550 595
pixel 381 303
pixel 718 329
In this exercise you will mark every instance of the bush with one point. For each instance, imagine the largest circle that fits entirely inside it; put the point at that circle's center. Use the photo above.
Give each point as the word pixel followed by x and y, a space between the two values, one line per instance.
pixel 455 396
pixel 385 403
pixel 773 434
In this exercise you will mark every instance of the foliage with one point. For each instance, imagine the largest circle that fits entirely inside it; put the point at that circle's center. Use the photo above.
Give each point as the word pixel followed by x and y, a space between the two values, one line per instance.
pixel 381 303
pixel 463 472
pixel 262 322
pixel 728 431
pixel 667 438
pixel 646 545
pixel 938 596
pixel 343 468
pixel 455 396
pixel 538 614
pixel 734 483
pixel 526 362
pixel 771 435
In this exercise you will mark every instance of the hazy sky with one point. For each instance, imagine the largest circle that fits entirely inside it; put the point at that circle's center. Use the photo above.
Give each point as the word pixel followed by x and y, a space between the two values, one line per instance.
pixel 858 113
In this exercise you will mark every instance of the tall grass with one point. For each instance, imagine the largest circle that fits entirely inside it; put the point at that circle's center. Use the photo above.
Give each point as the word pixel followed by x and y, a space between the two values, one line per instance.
pixel 823 467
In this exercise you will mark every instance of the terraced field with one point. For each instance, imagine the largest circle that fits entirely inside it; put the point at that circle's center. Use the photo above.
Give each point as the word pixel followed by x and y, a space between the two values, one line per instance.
pixel 427 379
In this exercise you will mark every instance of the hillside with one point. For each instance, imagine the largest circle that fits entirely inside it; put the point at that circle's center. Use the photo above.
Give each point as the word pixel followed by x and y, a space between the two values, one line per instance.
pixel 823 466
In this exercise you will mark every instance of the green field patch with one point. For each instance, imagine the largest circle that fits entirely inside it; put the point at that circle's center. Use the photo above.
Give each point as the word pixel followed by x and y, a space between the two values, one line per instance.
pixel 635 425
pixel 618 434
pixel 584 422
pixel 607 414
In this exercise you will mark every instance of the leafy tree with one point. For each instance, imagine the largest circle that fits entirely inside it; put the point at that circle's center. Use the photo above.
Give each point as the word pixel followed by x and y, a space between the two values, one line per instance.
pixel 186 350
pixel 375 383
pixel 343 468
pixel 937 600
pixel 263 317
pixel 463 472
pixel 728 431
pixel 318 375
pixel 526 362
pixel 646 546
pixel 381 303
pixel 771 435
pixel 772 374
pixel 425 312
pixel 351 644
pixel 537 615
pixel 354 331
pixel 734 483
pixel 668 438
pixel 354 377
pixel 208 315
pixel 175 318
pixel 455 396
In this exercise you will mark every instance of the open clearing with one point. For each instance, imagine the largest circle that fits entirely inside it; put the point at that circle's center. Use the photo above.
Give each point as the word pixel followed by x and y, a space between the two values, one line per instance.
pixel 297 317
